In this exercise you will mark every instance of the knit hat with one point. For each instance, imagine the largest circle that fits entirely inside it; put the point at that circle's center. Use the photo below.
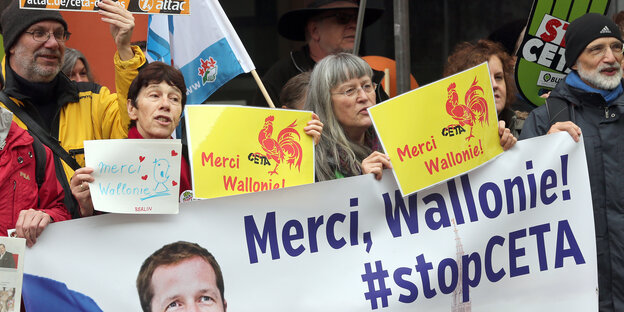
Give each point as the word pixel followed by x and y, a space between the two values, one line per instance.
pixel 14 21
pixel 585 29
pixel 293 23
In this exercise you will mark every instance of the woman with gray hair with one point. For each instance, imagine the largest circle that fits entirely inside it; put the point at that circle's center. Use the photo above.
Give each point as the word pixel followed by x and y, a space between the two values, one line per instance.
pixel 76 67
pixel 340 92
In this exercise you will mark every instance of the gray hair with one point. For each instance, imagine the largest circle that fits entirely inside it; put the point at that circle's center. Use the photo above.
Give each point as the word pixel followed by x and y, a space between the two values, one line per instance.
pixel 335 152
pixel 69 61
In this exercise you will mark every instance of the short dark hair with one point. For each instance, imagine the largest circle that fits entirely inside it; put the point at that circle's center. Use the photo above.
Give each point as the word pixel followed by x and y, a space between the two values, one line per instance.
pixel 172 254
pixel 156 72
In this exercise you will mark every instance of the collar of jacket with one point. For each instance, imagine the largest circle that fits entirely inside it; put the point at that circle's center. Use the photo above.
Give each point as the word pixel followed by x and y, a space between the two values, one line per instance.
pixel 66 90
pixel 302 60
pixel 6 118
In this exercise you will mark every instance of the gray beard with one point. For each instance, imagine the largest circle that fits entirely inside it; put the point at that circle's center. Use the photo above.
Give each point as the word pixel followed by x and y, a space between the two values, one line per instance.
pixel 597 80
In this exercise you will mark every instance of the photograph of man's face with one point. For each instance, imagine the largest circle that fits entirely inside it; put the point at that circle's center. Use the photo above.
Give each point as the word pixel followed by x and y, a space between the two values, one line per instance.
pixel 189 285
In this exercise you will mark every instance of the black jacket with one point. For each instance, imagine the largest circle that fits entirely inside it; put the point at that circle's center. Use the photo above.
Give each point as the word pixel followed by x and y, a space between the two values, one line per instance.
pixel 602 128
pixel 297 62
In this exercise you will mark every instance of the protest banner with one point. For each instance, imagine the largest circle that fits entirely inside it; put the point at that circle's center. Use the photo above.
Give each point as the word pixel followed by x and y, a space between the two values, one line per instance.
pixel 514 235
pixel 236 149
pixel 169 7
pixel 204 46
pixel 440 130
pixel 143 179
pixel 541 56
pixel 11 272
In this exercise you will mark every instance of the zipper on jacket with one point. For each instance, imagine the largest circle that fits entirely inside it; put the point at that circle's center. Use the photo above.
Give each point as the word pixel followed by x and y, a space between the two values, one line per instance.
pixel 607 112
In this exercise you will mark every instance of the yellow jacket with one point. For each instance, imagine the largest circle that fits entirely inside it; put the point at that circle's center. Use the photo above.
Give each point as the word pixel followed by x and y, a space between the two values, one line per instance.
pixel 90 111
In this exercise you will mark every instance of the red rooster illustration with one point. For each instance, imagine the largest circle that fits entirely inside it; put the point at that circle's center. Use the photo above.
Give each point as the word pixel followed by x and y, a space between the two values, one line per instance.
pixel 475 107
pixel 285 147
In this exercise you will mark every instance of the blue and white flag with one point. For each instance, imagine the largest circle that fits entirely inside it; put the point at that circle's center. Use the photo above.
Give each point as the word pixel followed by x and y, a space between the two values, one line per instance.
pixel 203 45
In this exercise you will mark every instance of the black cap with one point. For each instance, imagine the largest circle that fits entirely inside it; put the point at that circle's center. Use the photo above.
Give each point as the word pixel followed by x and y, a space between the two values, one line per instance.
pixel 585 29
pixel 14 21
pixel 292 24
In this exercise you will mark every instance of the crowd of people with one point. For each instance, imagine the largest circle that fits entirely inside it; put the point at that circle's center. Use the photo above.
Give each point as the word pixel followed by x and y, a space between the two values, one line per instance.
pixel 50 104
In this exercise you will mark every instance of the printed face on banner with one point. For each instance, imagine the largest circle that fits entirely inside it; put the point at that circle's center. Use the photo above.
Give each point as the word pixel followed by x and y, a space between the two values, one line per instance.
pixel 237 150
pixel 189 285
pixel 171 7
pixel 440 130
pixel 541 60
pixel 143 179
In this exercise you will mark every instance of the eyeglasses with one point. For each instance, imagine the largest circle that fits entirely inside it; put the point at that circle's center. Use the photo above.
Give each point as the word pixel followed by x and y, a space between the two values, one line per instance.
pixel 351 91
pixel 342 18
pixel 600 50
pixel 43 36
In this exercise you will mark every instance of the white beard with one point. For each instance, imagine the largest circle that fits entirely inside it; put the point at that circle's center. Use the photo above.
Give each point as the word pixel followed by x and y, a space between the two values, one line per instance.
pixel 597 80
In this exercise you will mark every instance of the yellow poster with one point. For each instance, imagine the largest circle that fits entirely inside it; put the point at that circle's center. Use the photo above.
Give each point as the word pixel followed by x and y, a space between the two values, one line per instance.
pixel 238 149
pixel 440 130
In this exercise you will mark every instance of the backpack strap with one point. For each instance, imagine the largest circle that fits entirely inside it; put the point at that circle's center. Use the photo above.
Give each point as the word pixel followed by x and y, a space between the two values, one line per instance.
pixel 37 131
pixel 40 160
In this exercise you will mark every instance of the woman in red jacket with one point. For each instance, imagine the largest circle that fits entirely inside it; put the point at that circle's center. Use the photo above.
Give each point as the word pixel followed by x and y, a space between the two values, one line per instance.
pixel 156 99
pixel 25 205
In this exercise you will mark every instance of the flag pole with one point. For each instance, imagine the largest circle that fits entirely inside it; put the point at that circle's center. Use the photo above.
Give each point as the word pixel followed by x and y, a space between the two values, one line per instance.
pixel 261 86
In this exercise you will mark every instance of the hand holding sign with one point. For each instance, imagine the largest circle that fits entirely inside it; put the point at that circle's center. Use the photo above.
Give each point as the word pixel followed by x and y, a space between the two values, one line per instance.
pixel 79 185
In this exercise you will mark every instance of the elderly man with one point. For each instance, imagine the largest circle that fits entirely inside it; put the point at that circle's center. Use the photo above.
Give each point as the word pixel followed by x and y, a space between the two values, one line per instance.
pixel 590 100
pixel 62 113
pixel 327 27
pixel 181 276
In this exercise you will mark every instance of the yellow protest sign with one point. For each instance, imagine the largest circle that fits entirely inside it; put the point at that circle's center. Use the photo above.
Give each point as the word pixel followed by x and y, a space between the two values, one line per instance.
pixel 440 130
pixel 237 149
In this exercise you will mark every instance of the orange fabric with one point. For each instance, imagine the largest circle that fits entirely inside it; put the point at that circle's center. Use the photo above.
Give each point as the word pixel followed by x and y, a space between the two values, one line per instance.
pixel 381 63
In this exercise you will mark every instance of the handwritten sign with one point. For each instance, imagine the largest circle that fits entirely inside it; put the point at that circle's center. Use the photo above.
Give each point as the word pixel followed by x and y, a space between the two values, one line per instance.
pixel 541 57
pixel 135 176
pixel 235 150
pixel 440 130
pixel 170 7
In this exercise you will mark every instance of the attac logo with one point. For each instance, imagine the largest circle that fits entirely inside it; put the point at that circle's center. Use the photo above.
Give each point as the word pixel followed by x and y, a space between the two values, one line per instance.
pixel 474 108
pixel 207 70
pixel 284 149
pixel 146 5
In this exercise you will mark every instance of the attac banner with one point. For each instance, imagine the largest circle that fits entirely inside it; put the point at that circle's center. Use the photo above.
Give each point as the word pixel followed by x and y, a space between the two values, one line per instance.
pixel 170 7
pixel 514 235
pixel 541 57
pixel 236 149
pixel 134 176
pixel 440 130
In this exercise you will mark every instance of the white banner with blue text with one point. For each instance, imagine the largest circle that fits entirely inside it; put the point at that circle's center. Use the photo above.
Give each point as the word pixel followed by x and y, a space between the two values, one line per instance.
pixel 514 235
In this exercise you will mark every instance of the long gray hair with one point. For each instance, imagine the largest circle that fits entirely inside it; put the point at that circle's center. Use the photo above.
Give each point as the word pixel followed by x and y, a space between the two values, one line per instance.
pixel 69 61
pixel 335 152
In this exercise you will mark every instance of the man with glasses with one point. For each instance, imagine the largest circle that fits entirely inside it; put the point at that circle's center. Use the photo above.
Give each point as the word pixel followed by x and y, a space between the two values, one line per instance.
pixel 327 27
pixel 62 113
pixel 590 100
